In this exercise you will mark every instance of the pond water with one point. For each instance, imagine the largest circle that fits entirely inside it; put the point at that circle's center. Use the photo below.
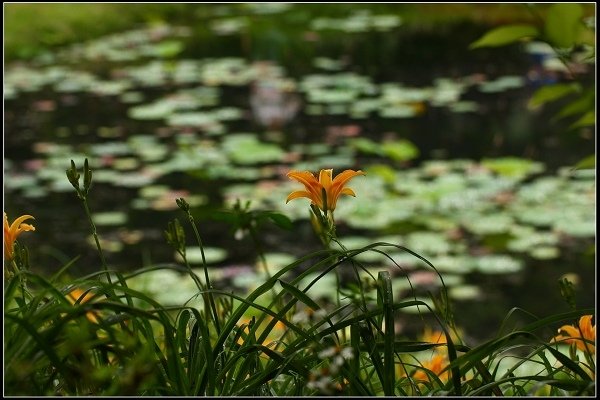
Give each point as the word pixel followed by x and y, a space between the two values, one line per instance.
pixel 459 168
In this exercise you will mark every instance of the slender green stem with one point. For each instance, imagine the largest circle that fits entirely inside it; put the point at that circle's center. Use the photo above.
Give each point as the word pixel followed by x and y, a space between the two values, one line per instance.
pixel 208 283
pixel 96 239
pixel 21 277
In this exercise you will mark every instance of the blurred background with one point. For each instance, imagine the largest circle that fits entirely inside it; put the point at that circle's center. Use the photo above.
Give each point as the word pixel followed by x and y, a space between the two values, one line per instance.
pixel 216 102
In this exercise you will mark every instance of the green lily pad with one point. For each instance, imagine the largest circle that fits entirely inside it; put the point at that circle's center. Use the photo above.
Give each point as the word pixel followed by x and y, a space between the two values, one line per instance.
pixel 465 292
pixel 498 264
pixel 213 255
pixel 110 218
pixel 245 148
pixel 544 252
pixel 428 243
pixel 489 224
pixel 512 166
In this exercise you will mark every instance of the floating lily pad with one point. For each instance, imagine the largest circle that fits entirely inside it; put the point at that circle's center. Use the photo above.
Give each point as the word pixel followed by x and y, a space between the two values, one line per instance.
pixel 453 264
pixel 428 243
pixel 576 227
pixel 110 218
pixel 501 84
pixel 213 255
pixel 245 148
pixel 465 292
pixel 530 239
pixel 489 224
pixel 498 264
pixel 544 252
pixel 512 166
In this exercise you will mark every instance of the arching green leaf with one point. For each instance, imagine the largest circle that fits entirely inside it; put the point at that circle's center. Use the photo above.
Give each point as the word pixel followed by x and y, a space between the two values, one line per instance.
pixel 563 24
pixel 505 35
pixel 549 93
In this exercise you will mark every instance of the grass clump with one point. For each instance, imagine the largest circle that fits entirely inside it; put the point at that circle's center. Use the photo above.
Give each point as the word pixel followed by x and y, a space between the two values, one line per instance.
pixel 96 335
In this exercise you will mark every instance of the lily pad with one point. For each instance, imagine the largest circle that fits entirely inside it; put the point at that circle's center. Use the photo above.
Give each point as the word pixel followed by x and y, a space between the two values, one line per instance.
pixel 246 149
pixel 213 255
pixel 110 218
pixel 465 292
pixel 498 264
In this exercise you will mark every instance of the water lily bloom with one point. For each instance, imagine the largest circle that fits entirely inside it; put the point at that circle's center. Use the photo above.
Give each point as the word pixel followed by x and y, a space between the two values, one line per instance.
pixel 12 231
pixel 579 335
pixel 333 187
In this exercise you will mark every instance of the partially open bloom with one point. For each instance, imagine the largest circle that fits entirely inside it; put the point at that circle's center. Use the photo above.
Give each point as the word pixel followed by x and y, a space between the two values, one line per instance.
pixel 433 336
pixel 273 338
pixel 75 295
pixel 333 187
pixel 12 231
pixel 579 335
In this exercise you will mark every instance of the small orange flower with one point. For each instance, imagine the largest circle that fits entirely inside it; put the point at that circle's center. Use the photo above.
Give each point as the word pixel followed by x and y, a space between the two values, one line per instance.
pixel 75 295
pixel 436 365
pixel 578 335
pixel 334 188
pixel 272 338
pixel 433 336
pixel 12 231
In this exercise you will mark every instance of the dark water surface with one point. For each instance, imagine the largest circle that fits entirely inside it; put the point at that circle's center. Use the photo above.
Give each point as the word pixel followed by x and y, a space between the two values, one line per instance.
pixel 493 123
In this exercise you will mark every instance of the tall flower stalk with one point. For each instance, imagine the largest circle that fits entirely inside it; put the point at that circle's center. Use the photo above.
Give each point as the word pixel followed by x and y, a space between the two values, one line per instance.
pixel 185 207
pixel 73 176
pixel 324 193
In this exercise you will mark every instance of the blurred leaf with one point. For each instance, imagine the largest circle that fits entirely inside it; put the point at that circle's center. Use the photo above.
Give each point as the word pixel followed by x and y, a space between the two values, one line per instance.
pixel 549 93
pixel 280 220
pixel 169 48
pixel 581 105
pixel 588 119
pixel 587 163
pixel 401 150
pixel 563 24
pixel 365 145
pixel 504 35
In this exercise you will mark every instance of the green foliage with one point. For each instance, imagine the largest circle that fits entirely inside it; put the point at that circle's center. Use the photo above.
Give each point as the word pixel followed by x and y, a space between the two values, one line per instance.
pixel 505 35
pixel 563 29
pixel 115 340
pixel 397 150
pixel 563 24
pixel 553 92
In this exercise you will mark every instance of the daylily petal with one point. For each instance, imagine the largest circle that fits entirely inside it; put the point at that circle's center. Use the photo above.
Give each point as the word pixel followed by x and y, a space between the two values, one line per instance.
pixel 308 180
pixel 348 191
pixel 12 231
pixel 325 178
pixel 583 335
pixel 14 227
pixel 299 193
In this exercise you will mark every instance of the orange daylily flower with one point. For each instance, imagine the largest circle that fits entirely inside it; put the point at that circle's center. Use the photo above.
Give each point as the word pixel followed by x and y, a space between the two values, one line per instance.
pixel 75 295
pixel 578 335
pixel 433 336
pixel 12 231
pixel 437 363
pixel 334 187
pixel 274 335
